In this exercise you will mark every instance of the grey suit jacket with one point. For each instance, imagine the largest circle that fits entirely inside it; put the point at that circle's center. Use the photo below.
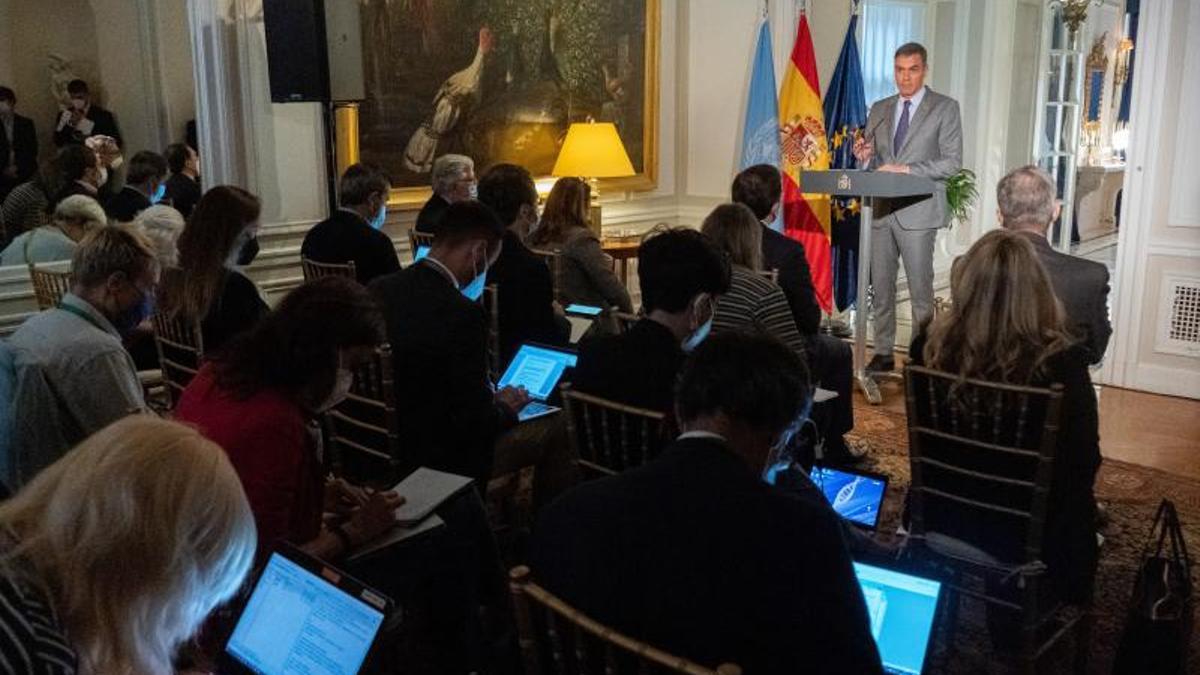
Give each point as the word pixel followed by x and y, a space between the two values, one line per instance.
pixel 1082 288
pixel 932 148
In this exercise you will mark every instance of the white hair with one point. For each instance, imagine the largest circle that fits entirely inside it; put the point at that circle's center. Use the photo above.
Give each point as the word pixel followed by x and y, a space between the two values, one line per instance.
pixel 162 225
pixel 80 210
pixel 447 169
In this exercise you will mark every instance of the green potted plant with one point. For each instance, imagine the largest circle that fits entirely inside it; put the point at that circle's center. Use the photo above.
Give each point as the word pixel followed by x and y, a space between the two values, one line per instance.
pixel 961 195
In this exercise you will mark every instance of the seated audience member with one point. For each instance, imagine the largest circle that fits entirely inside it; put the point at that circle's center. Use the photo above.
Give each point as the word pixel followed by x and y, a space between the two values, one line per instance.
pixel 752 302
pixel 183 187
pixel 83 118
pixel 73 219
pixel 113 556
pixel 72 376
pixel 144 185
pixel 453 179
pixel 695 553
pixel 587 276
pixel 260 398
pixel 1006 326
pixel 220 237
pixel 353 233
pixel 18 144
pixel 830 360
pixel 526 290
pixel 449 416
pixel 27 207
pixel 682 273
pixel 82 173
pixel 162 225
pixel 1027 205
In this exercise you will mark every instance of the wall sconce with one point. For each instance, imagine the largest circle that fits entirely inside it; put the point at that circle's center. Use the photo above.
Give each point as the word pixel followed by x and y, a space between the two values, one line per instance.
pixel 1121 72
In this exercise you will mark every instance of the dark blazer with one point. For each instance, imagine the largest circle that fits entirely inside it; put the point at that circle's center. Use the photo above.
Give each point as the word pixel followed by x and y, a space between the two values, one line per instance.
pixel 24 148
pixel 72 188
pixel 694 554
pixel 429 219
pixel 183 193
pixel 526 297
pixel 124 206
pixel 237 308
pixel 345 236
pixel 105 125
pixel 637 367
pixel 787 256
pixel 1082 287
pixel 448 416
pixel 1069 543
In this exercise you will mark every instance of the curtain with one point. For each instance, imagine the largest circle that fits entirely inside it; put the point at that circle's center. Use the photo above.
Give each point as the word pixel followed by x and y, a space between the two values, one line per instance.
pixel 887 24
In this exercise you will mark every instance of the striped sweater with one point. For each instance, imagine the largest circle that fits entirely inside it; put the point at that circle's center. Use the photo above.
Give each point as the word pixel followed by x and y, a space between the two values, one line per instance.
pixel 755 303
pixel 31 640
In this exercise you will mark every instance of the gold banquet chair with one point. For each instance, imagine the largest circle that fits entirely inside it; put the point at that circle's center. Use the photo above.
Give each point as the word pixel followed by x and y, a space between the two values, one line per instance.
pixel 49 286
pixel 557 638
pixel 180 347
pixel 608 437
pixel 363 431
pixel 771 275
pixel 417 239
pixel 316 270
pixel 553 262
pixel 491 307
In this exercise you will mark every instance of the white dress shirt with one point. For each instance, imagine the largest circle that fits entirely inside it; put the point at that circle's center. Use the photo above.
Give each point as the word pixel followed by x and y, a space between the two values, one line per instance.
pixel 912 110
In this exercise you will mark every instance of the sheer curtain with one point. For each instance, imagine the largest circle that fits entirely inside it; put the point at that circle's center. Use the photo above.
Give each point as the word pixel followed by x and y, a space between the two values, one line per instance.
pixel 887 24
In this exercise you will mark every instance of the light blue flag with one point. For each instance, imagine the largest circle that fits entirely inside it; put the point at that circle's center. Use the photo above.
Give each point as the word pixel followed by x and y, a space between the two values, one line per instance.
pixel 760 137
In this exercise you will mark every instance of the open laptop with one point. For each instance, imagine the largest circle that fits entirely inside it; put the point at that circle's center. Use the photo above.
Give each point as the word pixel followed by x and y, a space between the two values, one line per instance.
pixel 538 368
pixel 857 496
pixel 902 608
pixel 304 618
pixel 421 252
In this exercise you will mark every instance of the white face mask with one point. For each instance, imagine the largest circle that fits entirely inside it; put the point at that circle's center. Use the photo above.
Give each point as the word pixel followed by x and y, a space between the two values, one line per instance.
pixel 341 389
pixel 103 177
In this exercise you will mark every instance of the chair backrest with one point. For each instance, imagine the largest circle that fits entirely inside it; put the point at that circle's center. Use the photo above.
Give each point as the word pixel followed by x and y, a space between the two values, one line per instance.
pixel 363 431
pixel 554 263
pixel 491 306
pixel 771 275
pixel 49 286
pixel 315 270
pixel 180 346
pixel 418 239
pixel 608 437
pixel 557 638
pixel 982 456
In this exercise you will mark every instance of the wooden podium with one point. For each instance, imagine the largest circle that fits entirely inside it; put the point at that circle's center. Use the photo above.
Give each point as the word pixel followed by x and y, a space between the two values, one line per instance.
pixel 864 185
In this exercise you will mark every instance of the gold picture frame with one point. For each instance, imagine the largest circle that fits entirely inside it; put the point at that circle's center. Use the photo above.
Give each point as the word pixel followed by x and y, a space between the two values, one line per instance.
pixel 346 121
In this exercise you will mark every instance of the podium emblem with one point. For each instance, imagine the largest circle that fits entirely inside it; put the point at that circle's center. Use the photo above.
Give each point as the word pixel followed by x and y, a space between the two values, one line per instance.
pixel 844 182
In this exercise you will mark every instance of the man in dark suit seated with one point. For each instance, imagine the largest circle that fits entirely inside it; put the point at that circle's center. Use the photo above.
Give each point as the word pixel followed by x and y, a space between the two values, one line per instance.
pixel 453 178
pixel 1027 204
pixel 183 187
pixel 18 144
pixel 84 118
pixel 526 291
pixel 147 173
pixel 695 553
pixel 80 173
pixel 353 232
pixel 830 360
pixel 449 416
pixel 681 273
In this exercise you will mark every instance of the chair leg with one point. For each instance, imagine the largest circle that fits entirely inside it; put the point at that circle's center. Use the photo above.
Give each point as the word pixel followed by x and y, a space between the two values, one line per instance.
pixel 1083 641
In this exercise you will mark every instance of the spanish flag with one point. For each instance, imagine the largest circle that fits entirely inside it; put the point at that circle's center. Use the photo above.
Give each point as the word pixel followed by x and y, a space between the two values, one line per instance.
pixel 804 146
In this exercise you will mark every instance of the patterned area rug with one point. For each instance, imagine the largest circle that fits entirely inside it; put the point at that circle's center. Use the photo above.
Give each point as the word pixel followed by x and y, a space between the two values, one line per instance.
pixel 1131 493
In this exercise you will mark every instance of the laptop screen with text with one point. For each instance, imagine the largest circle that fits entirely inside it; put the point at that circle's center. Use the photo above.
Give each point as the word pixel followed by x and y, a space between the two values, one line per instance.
pixel 901 608
pixel 538 369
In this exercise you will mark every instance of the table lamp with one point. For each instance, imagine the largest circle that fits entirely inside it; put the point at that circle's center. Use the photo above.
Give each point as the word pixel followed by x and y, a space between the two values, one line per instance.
pixel 593 150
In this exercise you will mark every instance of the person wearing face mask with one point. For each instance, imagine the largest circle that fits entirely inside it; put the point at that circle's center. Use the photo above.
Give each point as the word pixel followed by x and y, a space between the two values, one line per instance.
pixel 260 399
pixel 354 232
pixel 18 144
pixel 183 187
pixel 71 374
pixel 208 286
pixel 682 273
pixel 699 532
pixel 144 187
pixel 528 312
pixel 81 118
pixel 453 181
pixel 450 416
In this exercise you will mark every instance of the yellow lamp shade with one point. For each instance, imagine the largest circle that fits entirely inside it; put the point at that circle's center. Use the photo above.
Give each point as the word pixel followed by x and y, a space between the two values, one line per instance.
pixel 593 150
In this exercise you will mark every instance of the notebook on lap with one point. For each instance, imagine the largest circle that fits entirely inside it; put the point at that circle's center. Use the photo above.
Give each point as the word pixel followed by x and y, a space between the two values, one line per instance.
pixel 857 496
pixel 538 368
pixel 304 618
pixel 902 608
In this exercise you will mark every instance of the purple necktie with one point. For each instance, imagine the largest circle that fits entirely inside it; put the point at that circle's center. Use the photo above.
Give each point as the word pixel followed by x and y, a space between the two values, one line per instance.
pixel 901 130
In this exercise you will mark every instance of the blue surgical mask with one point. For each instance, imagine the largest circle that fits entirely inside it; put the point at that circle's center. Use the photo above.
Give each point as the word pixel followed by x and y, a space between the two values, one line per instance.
pixel 474 290
pixel 135 315
pixel 377 221
pixel 158 194
pixel 691 342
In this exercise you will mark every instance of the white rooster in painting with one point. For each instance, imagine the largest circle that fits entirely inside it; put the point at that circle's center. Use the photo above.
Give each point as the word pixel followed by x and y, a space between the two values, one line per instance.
pixel 457 95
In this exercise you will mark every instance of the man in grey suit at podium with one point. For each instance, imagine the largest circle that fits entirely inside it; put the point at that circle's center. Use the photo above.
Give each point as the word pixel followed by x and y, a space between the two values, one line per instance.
pixel 916 131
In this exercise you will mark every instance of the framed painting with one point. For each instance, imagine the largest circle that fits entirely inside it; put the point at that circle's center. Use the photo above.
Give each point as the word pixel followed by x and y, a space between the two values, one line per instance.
pixel 500 81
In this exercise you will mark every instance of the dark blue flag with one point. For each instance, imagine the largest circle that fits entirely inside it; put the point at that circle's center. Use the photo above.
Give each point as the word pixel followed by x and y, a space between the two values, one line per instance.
pixel 845 116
